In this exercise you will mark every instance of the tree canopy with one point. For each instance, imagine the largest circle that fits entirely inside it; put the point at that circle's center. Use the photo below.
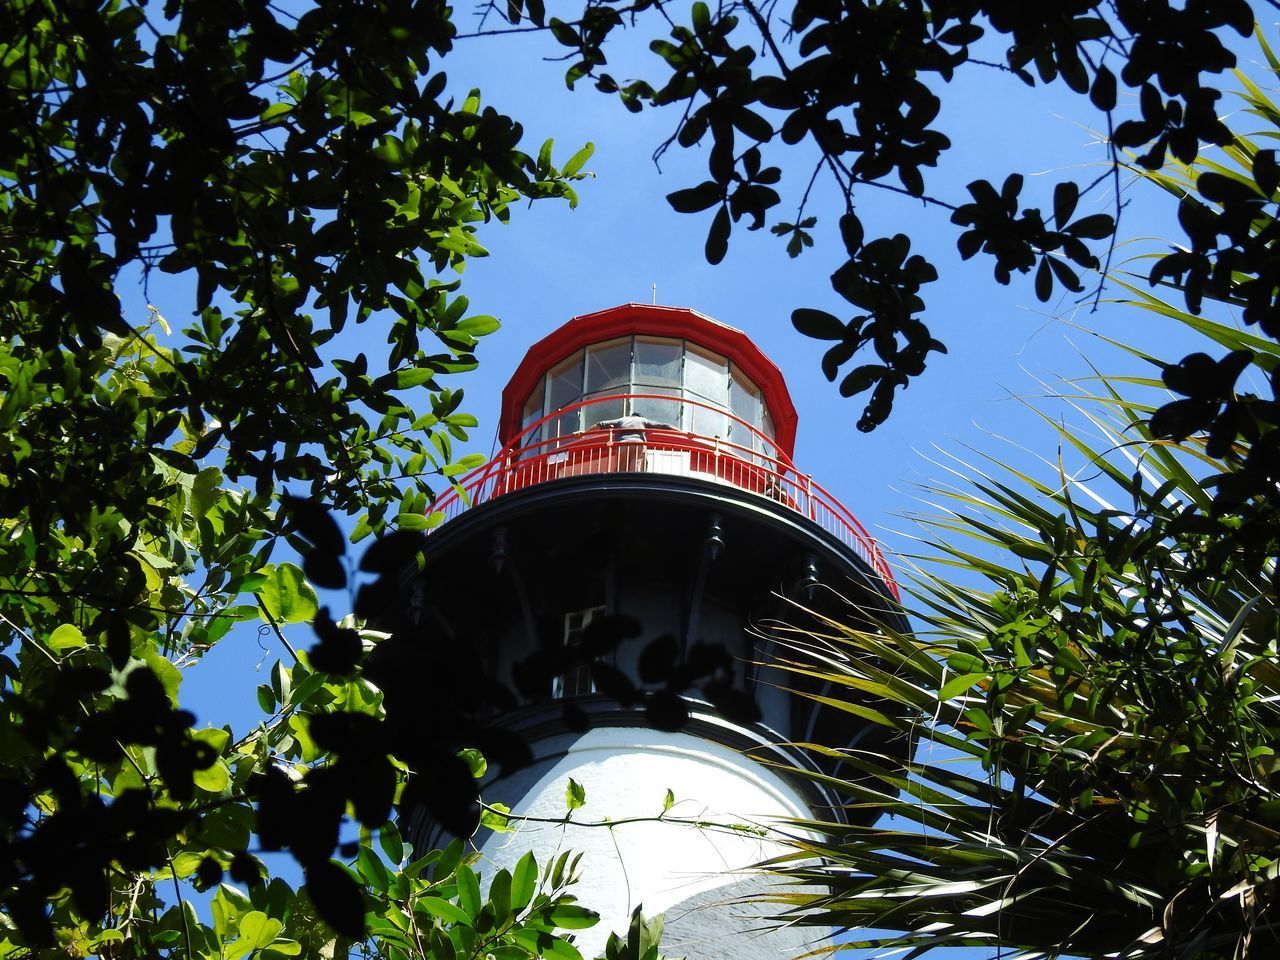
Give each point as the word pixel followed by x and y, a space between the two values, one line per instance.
pixel 307 171
pixel 1100 640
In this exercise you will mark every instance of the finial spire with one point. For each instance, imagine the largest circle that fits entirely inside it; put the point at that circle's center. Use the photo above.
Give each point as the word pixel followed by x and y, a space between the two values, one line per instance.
pixel 655 294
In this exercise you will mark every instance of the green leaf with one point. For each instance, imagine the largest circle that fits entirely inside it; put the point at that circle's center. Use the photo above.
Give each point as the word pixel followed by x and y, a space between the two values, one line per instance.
pixel 446 911
pixel 287 596
pixel 478 326
pixel 468 890
pixel 391 842
pixel 215 779
pixel 500 897
pixel 206 490
pixel 546 945
pixel 495 818
pixel 577 160
pixel 570 916
pixel 65 637
pixel 185 863
pixel 372 870
pixel 575 795
pixel 413 377
pixel 475 761
pixel 413 521
pixel 958 685
pixel 170 677
pixel 524 882
pixel 259 929
pixel 281 948
pixel 216 737
pixel 275 111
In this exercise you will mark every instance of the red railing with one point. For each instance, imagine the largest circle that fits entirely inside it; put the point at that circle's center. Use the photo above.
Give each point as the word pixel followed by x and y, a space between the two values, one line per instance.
pixel 761 468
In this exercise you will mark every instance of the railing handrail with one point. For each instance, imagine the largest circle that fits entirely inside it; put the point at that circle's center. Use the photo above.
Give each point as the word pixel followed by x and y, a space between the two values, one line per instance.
pixel 515 461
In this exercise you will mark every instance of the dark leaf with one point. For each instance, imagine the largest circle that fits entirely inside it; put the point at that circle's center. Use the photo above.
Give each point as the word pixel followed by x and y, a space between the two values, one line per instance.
pixel 1103 91
pixel 1044 280
pixel 337 898
pixel 818 324
pixel 393 553
pixel 1266 173
pixel 1224 189
pixel 702 197
pixel 850 232
pixel 1097 226
pixel 313 521
pixel 325 570
pixel 339 649
pixel 1065 197
pixel 666 710
pixel 718 237
pixel 658 658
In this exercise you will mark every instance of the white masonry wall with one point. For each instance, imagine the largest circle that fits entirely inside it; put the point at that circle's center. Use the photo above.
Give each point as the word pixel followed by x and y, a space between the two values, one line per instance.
pixel 692 875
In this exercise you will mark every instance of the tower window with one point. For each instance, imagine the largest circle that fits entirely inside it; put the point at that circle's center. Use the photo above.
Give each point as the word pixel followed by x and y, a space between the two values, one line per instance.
pixel 577 679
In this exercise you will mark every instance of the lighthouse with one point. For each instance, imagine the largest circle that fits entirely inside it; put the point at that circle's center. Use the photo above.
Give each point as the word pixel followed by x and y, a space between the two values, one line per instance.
pixel 631 561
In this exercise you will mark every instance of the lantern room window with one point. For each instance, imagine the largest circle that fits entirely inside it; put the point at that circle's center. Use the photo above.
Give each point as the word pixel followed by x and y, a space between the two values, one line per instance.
pixel 658 362
pixel 632 366
pixel 661 411
pixel 608 366
pixel 564 388
pixel 706 376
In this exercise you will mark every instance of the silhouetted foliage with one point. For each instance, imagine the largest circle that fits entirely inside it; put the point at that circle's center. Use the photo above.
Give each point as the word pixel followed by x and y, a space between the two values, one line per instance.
pixel 305 172
pixel 863 83
pixel 1106 659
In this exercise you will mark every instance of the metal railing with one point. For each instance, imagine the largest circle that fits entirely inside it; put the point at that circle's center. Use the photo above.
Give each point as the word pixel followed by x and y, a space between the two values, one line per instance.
pixel 762 468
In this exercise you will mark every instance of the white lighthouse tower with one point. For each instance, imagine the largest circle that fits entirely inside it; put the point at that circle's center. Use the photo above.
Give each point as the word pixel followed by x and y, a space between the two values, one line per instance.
pixel 626 554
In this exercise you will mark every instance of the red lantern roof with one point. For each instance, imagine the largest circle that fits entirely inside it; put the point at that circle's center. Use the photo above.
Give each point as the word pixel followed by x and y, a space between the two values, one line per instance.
pixel 658 321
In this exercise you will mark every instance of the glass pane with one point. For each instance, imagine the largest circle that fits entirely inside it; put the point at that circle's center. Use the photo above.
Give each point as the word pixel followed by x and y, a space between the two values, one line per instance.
pixel 706 375
pixel 710 423
pixel 532 411
pixel 661 411
pixel 593 413
pixel 562 426
pixel 609 367
pixel 744 400
pixel 532 414
pixel 658 362
pixel 564 383
pixel 744 403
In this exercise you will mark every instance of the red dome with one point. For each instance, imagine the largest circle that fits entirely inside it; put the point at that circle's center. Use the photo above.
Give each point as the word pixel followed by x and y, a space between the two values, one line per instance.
pixel 650 320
